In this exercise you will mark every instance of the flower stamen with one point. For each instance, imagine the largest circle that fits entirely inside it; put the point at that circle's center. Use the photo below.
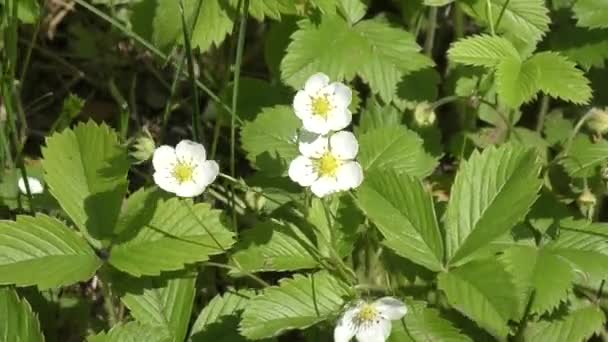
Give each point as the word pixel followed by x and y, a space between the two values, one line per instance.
pixel 183 172
pixel 321 106
pixel 367 314
pixel 328 165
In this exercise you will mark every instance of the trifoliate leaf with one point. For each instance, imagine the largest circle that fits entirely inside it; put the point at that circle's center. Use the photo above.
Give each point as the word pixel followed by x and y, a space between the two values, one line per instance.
pixel 516 82
pixel 482 50
pixel 86 171
pixel 591 13
pixel 166 234
pixel 482 290
pixel 493 191
pixel 295 304
pixel 540 276
pixel 372 49
pixel 383 148
pixel 270 140
pixel 156 22
pixel 219 320
pixel 523 21
pixel 18 322
pixel 424 324
pixel 42 251
pixel 578 325
pixel 274 246
pixel 559 77
pixel 585 156
pixel 133 332
pixel 164 301
pixel 404 213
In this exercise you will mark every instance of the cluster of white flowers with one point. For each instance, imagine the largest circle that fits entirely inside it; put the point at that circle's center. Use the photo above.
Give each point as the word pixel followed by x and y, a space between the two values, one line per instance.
pixel 327 162
pixel 369 322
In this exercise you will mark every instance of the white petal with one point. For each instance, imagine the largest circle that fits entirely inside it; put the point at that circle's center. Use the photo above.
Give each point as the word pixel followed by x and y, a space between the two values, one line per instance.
pixel 205 173
pixel 165 180
pixel 190 151
pixel 164 158
pixel 342 95
pixel 345 329
pixel 344 145
pixel 302 105
pixel 324 186
pixel 189 189
pixel 312 145
pixel 391 308
pixel 349 175
pixel 301 171
pixel 316 82
pixel 34 184
pixel 339 118
pixel 377 331
pixel 316 124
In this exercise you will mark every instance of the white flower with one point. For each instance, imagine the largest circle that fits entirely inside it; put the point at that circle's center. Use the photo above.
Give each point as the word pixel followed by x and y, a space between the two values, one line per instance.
pixel 327 164
pixel 369 322
pixel 35 185
pixel 184 170
pixel 323 107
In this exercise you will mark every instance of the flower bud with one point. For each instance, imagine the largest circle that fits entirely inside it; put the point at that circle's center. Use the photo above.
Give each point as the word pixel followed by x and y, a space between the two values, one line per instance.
pixel 586 202
pixel 598 120
pixel 424 115
pixel 143 147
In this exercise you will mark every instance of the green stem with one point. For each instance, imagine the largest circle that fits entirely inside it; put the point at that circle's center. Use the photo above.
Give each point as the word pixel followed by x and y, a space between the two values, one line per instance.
pixel 108 304
pixel 345 272
pixel 490 17
pixel 168 106
pixel 430 32
pixel 196 130
pixel 575 131
pixel 501 14
pixel 235 93
pixel 542 113
pixel 458 21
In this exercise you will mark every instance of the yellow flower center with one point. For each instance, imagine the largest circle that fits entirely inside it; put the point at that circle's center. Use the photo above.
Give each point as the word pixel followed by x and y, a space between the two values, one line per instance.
pixel 368 313
pixel 321 106
pixel 328 165
pixel 183 172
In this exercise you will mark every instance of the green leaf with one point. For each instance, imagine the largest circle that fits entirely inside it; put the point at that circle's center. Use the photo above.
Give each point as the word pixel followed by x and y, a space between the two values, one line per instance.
pixel 274 246
pixel 164 301
pixel 585 157
pixel 516 82
pixel 482 290
pixel 28 11
pixel 437 3
pixel 219 320
pixel 295 304
pixel 591 13
pixel 164 235
pixel 133 332
pixel 353 10
pixel 260 9
pixel 578 325
pixel 42 251
pixel 404 213
pixel 482 50
pixel 86 171
pixel 492 191
pixel 559 77
pixel 523 21
pixel 383 149
pixel 538 274
pixel 270 140
pixel 254 95
pixel 376 116
pixel 340 232
pixel 155 20
pixel 557 129
pixel 422 324
pixel 372 49
pixel 587 47
pixel 19 322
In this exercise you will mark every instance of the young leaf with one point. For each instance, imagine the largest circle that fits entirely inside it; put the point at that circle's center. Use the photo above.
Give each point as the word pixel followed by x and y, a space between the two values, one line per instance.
pixel 372 49
pixel 585 157
pixel 270 140
pixel 383 149
pixel 404 213
pixel 424 324
pixel 133 332
pixel 272 246
pixel 18 322
pixel 516 82
pixel 483 50
pixel 483 291
pixel 42 251
pixel 295 304
pixel 492 191
pixel 219 320
pixel 164 235
pixel 591 13
pixel 86 171
pixel 538 274
pixel 164 301
pixel 578 325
